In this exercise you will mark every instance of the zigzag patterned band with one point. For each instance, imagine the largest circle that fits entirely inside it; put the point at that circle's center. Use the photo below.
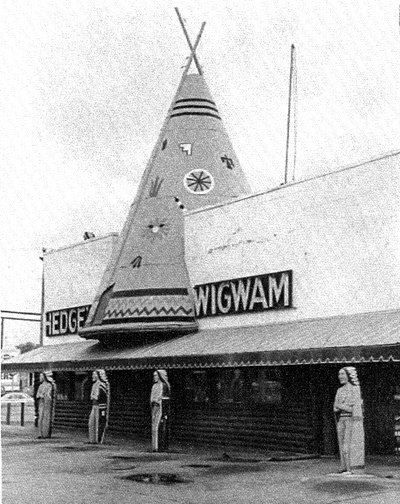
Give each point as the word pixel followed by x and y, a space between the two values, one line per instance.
pixel 151 307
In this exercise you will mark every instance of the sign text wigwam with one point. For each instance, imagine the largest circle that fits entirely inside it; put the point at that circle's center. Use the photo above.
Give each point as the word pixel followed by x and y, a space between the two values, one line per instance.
pixel 250 294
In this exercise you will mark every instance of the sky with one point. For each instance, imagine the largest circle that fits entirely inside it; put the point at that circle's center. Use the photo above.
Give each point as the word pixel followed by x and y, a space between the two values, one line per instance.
pixel 85 87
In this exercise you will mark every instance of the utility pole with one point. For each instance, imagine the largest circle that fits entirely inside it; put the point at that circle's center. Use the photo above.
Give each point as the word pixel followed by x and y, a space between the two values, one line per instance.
pixel 291 111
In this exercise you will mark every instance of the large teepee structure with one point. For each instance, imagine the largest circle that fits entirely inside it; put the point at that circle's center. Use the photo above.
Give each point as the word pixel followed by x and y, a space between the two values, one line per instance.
pixel 146 287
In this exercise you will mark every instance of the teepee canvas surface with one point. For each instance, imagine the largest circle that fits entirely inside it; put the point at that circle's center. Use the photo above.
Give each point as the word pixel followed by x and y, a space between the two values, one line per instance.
pixel 146 286
pixel 196 161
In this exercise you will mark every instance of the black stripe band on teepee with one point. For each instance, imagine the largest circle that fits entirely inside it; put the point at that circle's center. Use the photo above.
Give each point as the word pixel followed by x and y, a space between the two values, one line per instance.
pixel 128 320
pixel 179 291
pixel 195 100
pixel 195 107
pixel 196 114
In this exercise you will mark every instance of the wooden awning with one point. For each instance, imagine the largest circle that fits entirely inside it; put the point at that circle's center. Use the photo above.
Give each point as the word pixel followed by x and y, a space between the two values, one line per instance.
pixel 365 337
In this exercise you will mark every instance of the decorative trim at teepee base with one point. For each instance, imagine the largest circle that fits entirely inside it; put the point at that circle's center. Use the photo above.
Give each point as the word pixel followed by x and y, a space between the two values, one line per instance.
pixel 176 327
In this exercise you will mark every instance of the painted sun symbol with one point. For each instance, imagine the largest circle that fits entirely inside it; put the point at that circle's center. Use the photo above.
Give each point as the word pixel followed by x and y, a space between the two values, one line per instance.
pixel 156 229
pixel 199 182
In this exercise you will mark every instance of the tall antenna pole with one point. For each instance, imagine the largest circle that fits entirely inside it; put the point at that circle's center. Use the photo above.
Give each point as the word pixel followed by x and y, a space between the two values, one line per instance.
pixel 292 64
pixel 42 308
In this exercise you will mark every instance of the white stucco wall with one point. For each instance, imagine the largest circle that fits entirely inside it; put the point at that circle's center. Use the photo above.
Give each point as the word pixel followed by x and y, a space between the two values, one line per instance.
pixel 72 275
pixel 339 233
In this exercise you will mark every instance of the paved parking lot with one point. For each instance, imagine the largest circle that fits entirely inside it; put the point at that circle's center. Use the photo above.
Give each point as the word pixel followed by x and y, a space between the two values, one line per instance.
pixel 66 469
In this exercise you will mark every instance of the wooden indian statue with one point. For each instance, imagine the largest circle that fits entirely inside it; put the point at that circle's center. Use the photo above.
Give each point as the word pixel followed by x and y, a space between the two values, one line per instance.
pixel 160 411
pixel 46 396
pixel 100 397
pixel 348 410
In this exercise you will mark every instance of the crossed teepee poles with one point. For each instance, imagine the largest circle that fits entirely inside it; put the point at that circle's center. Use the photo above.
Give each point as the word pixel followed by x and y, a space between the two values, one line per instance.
pixel 191 47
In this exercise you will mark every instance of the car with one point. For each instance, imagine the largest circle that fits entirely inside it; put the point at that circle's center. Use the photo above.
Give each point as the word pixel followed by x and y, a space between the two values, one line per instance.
pixel 16 398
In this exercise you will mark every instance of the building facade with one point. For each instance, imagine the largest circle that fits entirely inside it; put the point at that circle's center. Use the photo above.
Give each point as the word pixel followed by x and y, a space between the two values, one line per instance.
pixel 289 285
pixel 251 302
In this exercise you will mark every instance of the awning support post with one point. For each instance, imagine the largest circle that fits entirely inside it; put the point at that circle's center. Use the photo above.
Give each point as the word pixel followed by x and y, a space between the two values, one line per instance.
pixel 22 414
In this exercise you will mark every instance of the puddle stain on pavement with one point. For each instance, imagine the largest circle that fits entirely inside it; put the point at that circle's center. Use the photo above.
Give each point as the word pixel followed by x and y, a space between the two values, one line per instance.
pixel 146 457
pixel 76 448
pixel 229 458
pixel 157 478
pixel 347 486
pixel 123 468
pixel 225 469
pixel 200 466
pixel 268 457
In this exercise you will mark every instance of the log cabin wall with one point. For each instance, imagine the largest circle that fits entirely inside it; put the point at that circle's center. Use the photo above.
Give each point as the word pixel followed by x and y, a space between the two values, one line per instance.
pixel 130 413
pixel 380 385
pixel 285 408
pixel 258 408
pixel 129 409
pixel 284 430
pixel 73 404
pixel 72 414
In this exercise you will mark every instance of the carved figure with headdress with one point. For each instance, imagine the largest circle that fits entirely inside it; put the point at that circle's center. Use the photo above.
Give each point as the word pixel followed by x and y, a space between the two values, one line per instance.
pixel 160 411
pixel 46 397
pixel 100 397
pixel 348 410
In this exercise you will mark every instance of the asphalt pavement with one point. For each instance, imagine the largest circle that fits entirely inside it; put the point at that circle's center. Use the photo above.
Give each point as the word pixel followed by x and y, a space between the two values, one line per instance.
pixel 65 469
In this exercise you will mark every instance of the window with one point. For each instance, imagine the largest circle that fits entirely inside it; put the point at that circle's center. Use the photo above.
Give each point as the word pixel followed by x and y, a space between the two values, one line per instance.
pixel 197 387
pixel 248 386
pixel 65 385
pixel 265 387
pixel 230 386
pixel 82 386
pixel 245 387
